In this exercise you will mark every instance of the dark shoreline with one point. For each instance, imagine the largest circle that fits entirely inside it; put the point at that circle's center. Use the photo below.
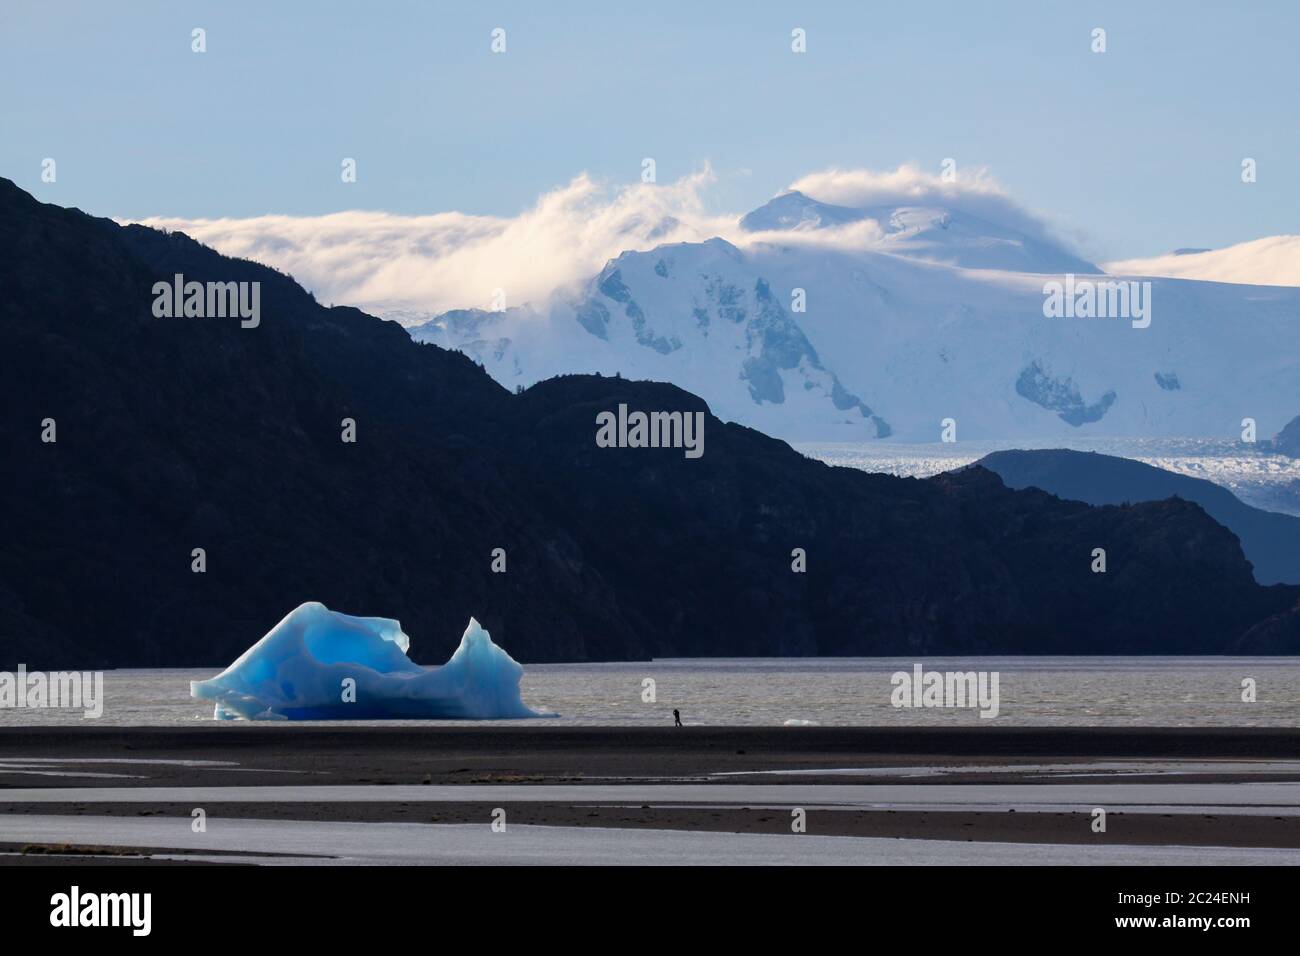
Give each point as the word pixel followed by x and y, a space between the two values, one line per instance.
pixel 1024 740
pixel 406 754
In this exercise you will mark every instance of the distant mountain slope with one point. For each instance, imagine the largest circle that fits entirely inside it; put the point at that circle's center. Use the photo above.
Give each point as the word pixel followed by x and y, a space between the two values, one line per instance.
pixel 1273 260
pixel 1287 441
pixel 941 234
pixel 183 433
pixel 1271 541
pixel 698 315
pixel 812 342
pixel 794 210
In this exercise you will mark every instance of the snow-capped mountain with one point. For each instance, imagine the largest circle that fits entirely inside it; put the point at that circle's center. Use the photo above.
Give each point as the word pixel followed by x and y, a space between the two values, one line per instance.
pixel 696 314
pixel 1273 260
pixel 943 317
pixel 933 233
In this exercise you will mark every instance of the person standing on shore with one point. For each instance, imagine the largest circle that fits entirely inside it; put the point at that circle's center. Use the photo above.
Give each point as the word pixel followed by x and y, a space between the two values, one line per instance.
pixel 677 717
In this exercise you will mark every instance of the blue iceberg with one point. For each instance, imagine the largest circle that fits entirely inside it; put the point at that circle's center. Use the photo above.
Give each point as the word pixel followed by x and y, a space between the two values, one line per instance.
pixel 317 664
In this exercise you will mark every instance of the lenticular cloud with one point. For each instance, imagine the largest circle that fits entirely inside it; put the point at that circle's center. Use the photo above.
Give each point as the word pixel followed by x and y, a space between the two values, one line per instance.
pixel 317 664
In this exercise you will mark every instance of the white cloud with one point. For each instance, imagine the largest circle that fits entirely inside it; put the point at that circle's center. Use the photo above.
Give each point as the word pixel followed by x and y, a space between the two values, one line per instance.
pixel 384 262
pixel 387 263
pixel 1271 261
pixel 865 234
pixel 974 191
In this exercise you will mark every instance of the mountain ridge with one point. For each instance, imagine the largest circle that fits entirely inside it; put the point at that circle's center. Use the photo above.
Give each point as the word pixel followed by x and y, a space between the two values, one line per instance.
pixel 812 341
pixel 175 434
pixel 1271 541
pixel 942 233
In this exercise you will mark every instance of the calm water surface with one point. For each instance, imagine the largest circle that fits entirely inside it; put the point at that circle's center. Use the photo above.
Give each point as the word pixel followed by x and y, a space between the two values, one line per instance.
pixel 1100 691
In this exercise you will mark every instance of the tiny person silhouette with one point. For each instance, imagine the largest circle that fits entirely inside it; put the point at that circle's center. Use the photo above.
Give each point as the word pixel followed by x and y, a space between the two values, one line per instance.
pixel 677 717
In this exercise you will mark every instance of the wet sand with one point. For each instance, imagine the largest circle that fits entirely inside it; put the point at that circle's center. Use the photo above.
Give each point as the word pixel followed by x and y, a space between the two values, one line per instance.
pixel 300 756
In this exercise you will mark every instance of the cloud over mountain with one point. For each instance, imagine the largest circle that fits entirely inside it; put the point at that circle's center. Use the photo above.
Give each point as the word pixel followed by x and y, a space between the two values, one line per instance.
pixel 386 262
pixel 974 191
pixel 394 264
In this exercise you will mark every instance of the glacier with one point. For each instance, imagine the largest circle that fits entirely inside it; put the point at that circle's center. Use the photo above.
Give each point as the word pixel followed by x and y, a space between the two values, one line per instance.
pixel 318 664
pixel 942 317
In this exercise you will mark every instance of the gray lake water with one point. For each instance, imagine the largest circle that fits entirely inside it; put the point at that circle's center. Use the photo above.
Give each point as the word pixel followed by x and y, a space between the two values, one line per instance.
pixel 1034 691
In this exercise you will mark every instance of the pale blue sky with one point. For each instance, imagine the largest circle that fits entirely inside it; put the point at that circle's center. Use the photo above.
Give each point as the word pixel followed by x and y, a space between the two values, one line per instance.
pixel 1139 148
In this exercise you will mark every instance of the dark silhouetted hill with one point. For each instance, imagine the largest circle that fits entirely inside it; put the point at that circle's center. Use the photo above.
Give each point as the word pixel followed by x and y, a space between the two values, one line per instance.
pixel 1287 441
pixel 1271 541
pixel 175 434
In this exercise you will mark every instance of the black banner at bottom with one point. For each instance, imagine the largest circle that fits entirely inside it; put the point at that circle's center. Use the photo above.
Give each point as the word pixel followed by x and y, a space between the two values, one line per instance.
pixel 338 905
